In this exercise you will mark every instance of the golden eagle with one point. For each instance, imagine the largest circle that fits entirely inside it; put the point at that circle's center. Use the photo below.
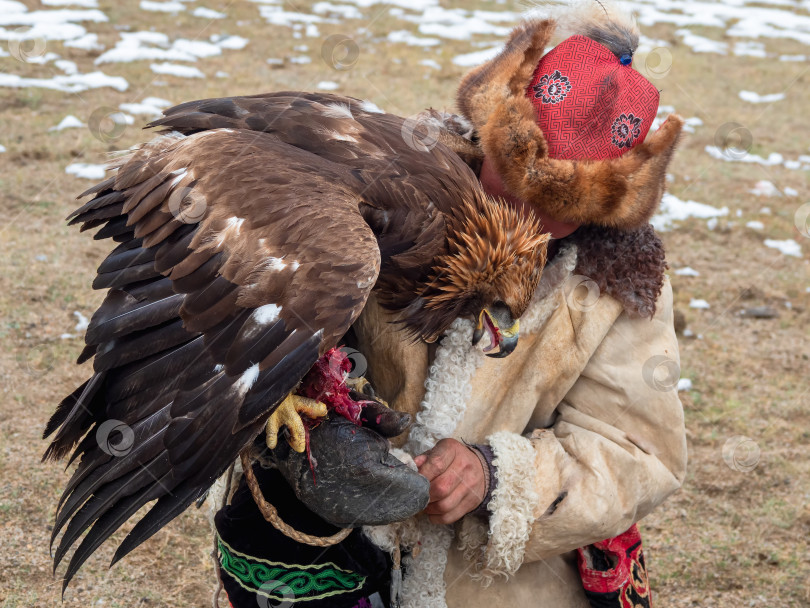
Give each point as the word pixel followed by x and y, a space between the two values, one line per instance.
pixel 250 234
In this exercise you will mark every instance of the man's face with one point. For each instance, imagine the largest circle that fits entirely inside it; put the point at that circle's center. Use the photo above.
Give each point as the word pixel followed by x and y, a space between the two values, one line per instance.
pixel 493 186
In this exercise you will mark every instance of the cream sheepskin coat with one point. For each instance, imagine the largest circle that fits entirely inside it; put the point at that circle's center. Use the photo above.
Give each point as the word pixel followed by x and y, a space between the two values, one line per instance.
pixel 585 424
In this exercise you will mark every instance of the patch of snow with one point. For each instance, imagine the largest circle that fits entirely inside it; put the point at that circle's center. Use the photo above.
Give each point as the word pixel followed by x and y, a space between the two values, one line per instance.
pixel 12 6
pixel 751 22
pixel 764 188
pixel 698 304
pixel 81 3
pixel 456 23
pixel 69 83
pixel 162 7
pixel 43 31
pixel 687 271
pixel 154 46
pixel 431 63
pixel 82 322
pixel 132 47
pixel 2 148
pixel 327 85
pixel 752 97
pixel 344 11
pixel 197 48
pixel 175 69
pixel 497 16
pixel 645 44
pixel 48 25
pixel 86 170
pixel 750 49
pixel 208 13
pixel 701 44
pixel 122 119
pixel 684 384
pixel 786 247
pixel 674 209
pixel 151 106
pixel 690 123
pixel 68 67
pixel 788 191
pixel 68 122
pixel 41 59
pixel 475 58
pixel 88 42
pixel 774 158
pixel 755 225
pixel 406 37
pixel 797 58
pixel 413 5
pixel 231 43
pixel 301 60
pixel 275 15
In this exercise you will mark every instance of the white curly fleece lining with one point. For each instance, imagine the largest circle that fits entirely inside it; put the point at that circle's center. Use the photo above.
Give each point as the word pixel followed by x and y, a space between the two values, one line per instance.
pixel 448 389
pixel 511 507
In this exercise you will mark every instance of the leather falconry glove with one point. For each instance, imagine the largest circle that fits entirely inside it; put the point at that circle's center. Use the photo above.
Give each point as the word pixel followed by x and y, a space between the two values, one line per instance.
pixel 354 480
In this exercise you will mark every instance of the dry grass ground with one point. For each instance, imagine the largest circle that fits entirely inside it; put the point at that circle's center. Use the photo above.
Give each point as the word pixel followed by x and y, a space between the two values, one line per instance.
pixel 730 538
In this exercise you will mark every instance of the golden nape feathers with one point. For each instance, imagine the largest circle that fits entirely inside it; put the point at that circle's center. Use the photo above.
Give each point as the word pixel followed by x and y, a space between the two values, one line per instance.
pixel 495 253
pixel 604 21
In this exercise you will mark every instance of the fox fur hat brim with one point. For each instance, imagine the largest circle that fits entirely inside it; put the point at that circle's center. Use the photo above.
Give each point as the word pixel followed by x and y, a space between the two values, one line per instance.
pixel 621 193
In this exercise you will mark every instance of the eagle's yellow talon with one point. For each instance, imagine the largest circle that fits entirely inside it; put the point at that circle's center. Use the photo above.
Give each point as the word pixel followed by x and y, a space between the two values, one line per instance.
pixel 359 385
pixel 288 414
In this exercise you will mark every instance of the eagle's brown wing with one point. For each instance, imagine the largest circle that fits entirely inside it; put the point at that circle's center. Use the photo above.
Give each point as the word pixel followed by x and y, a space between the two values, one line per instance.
pixel 241 259
pixel 409 180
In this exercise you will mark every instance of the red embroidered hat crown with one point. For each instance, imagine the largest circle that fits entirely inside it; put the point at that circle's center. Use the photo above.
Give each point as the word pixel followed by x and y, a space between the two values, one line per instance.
pixel 590 104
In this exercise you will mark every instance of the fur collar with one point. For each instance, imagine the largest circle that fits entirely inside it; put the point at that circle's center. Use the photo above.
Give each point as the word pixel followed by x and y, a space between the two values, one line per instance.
pixel 628 265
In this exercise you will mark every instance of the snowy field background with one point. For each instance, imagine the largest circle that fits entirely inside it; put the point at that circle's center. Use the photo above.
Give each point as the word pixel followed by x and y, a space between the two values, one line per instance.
pixel 78 80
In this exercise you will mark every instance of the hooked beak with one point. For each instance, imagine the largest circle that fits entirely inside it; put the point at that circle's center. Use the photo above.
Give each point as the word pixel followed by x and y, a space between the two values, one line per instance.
pixel 502 329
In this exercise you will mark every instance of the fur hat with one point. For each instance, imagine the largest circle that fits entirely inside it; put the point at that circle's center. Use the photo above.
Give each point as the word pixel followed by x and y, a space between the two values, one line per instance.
pixel 566 131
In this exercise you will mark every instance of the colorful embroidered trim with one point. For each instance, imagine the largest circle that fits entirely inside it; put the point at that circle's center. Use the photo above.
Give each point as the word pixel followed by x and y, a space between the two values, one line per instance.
pixel 288 583
pixel 614 574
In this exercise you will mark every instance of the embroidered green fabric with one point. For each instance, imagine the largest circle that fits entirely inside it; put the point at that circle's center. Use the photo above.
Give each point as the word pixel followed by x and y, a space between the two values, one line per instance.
pixel 287 582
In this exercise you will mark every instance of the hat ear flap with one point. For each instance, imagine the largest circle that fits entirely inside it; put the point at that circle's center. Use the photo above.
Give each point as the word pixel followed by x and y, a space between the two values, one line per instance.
pixel 620 192
pixel 508 73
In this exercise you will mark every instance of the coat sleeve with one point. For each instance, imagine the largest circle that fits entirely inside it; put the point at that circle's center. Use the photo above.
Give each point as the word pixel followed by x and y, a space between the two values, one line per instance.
pixel 616 449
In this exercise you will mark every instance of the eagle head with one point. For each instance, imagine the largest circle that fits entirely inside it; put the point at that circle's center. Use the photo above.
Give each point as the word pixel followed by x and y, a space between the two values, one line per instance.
pixel 494 262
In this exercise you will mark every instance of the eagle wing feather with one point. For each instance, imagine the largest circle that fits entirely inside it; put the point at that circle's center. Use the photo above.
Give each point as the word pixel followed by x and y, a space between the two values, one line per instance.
pixel 222 294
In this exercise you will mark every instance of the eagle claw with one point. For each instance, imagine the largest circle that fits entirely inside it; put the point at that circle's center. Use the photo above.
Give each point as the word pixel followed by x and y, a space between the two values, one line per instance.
pixel 288 414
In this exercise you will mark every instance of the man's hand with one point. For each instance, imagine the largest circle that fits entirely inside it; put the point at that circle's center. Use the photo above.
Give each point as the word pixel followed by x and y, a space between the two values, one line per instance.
pixel 457 480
